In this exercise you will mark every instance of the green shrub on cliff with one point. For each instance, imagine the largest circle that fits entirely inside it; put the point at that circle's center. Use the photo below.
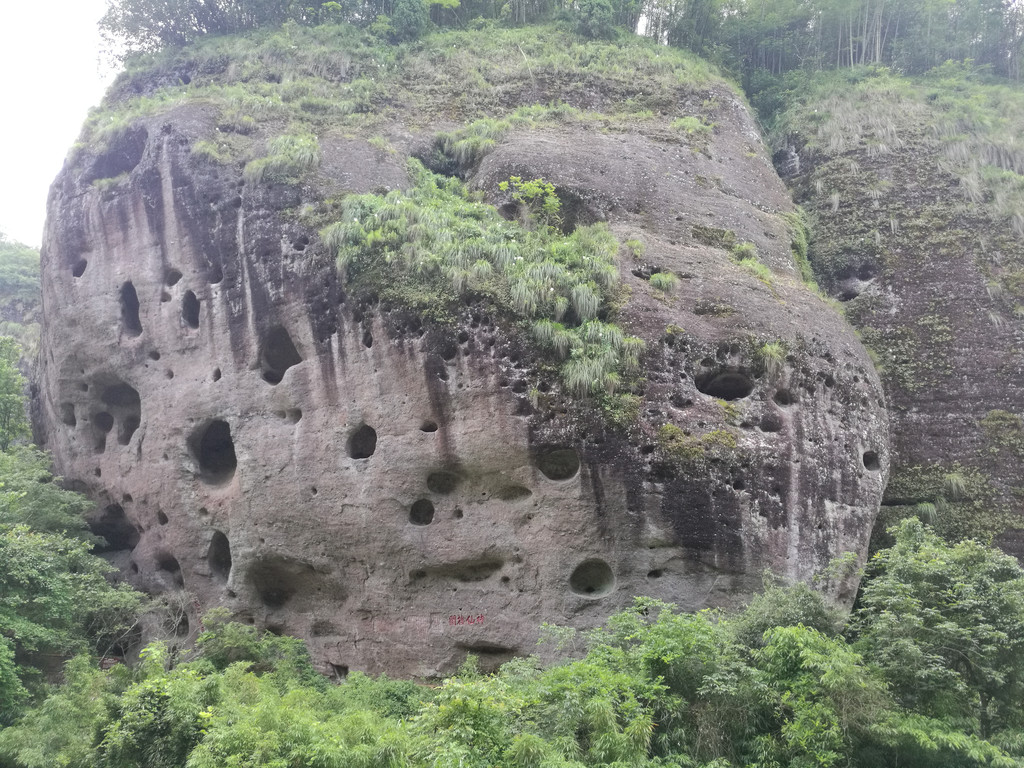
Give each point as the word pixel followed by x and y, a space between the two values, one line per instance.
pixel 557 283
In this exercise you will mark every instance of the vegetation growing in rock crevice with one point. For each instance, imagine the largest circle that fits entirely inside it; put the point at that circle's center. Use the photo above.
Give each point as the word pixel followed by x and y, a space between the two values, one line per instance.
pixel 560 284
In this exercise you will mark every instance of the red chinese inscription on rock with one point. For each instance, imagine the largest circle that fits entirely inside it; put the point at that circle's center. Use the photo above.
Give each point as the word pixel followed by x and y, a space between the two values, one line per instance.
pixel 458 620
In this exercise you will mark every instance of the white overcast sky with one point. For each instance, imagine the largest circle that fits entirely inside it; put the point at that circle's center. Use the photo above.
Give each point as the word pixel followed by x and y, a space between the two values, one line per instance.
pixel 51 76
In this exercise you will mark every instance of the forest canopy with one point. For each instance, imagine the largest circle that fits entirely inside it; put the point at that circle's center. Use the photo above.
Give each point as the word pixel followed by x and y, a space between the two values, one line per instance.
pixel 745 36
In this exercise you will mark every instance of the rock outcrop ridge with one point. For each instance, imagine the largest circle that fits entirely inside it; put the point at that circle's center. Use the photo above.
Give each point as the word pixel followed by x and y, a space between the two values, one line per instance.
pixel 401 491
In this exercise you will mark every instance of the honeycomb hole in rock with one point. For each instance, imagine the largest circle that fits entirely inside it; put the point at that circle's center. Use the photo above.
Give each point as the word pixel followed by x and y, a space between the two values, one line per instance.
pixel 514 493
pixel 362 443
pixel 218 557
pixel 277 580
pixel 278 354
pixel 784 397
pixel 442 482
pixel 161 517
pixel 79 268
pixel 172 276
pixel 592 578
pixel 214 451
pixel 657 573
pixel 103 421
pixel 130 310
pixel 367 339
pixel 214 275
pixel 190 310
pixel 559 464
pixel 128 427
pixel 725 385
pixel 428 426
pixel 421 512
pixel 871 463
pixel 113 526
pixel 169 563
pixel 124 402
pixel 154 355
pixel 67 414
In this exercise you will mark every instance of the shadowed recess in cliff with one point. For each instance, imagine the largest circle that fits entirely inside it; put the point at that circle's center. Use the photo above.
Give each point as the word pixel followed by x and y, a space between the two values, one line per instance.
pixel 214 451
pixel 130 310
pixel 126 406
pixel 592 578
pixel 277 354
pixel 218 556
pixel 114 527
pixel 725 384
pixel 190 310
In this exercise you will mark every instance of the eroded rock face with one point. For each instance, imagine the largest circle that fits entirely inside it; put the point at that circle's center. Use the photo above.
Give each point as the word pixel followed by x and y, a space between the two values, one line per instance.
pixel 399 493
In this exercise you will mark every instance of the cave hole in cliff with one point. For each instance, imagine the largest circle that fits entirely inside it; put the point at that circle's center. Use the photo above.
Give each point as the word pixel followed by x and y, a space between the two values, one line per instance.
pixel 161 517
pixel 113 526
pixel 592 578
pixel 214 274
pixel 871 463
pixel 79 268
pixel 784 397
pixel 124 153
pixel 428 426
pixel 442 482
pixel 190 309
pixel 130 310
pixel 278 354
pixel 340 671
pixel 218 557
pixel 367 338
pixel 216 374
pixel 558 464
pixel 421 512
pixel 214 450
pixel 657 573
pixel 171 277
pixel 169 564
pixel 725 385
pixel 67 414
pixel 362 443
pixel 276 580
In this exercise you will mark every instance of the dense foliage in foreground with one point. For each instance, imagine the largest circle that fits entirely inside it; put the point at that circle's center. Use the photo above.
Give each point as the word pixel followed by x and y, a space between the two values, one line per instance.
pixel 927 672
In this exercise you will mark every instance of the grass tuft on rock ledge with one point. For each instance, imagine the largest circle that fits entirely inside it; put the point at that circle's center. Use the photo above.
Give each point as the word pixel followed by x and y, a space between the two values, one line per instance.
pixel 560 285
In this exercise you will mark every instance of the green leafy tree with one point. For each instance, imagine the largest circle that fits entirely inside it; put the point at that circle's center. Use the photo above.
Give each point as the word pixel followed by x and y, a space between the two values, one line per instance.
pixel 13 419
pixel 945 625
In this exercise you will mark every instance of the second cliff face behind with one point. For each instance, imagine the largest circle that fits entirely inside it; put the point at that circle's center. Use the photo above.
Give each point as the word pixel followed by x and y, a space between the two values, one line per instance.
pixel 395 463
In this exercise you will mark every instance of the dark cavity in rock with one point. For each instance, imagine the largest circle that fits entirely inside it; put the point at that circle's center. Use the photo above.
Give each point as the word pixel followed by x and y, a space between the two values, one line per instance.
pixel 559 464
pixel 362 443
pixel 130 310
pixel 421 512
pixel 592 578
pixel 214 450
pixel 114 527
pixel 219 556
pixel 278 354
pixel 725 385
pixel 190 309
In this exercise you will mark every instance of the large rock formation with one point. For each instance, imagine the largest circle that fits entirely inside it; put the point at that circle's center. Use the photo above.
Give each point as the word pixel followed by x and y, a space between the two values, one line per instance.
pixel 919 231
pixel 402 491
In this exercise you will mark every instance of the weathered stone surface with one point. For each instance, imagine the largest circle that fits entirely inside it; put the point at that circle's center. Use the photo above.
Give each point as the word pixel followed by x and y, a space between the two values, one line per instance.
pixel 932 283
pixel 401 494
